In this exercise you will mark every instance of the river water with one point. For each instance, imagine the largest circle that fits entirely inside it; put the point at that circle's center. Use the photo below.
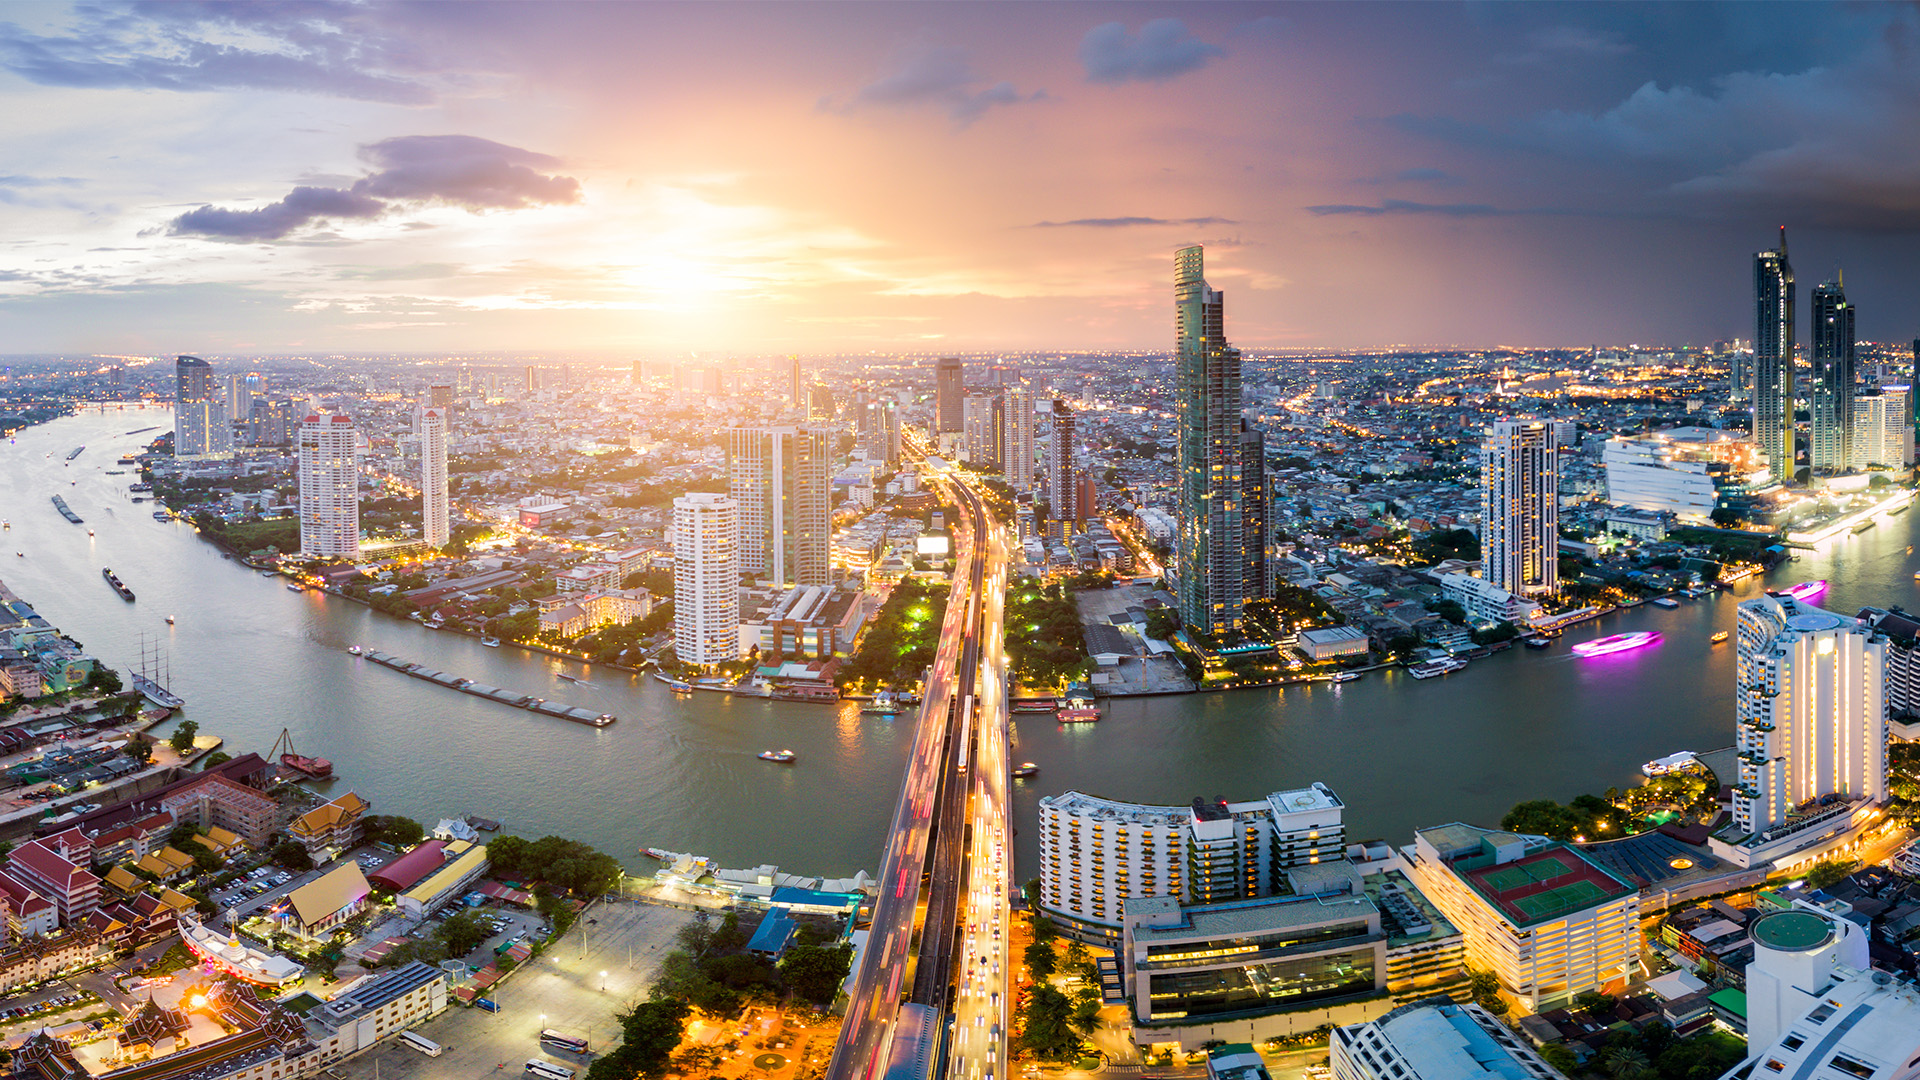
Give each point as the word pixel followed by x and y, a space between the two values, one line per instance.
pixel 252 658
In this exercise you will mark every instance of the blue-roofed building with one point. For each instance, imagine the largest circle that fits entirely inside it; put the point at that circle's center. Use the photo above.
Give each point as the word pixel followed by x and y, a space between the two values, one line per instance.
pixel 775 932
pixel 1435 1039
pixel 1668 870
pixel 813 901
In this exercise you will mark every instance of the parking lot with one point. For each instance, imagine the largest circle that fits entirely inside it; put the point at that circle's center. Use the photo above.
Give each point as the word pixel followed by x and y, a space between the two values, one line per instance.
pixel 579 986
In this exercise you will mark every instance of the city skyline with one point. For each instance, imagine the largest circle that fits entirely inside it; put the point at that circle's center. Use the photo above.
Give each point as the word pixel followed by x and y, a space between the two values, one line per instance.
pixel 414 182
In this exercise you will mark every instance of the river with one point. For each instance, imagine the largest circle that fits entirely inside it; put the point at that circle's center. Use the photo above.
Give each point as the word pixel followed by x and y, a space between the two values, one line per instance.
pixel 252 658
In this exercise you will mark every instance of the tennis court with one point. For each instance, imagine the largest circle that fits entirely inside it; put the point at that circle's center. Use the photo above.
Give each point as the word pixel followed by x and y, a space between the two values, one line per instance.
pixel 1508 878
pixel 1570 897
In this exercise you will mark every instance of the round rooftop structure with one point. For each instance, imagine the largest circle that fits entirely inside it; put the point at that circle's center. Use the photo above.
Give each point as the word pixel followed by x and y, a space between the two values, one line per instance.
pixel 1792 931
pixel 1816 620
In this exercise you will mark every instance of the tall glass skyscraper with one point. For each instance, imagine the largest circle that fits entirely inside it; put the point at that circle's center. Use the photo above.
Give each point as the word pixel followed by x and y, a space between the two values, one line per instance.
pixel 199 418
pixel 1832 379
pixel 1773 340
pixel 1207 412
pixel 1520 508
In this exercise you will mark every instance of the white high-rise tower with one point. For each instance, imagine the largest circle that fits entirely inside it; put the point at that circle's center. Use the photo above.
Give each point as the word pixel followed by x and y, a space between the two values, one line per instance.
pixel 1018 439
pixel 706 579
pixel 1520 508
pixel 329 487
pixel 200 427
pixel 436 528
pixel 1809 703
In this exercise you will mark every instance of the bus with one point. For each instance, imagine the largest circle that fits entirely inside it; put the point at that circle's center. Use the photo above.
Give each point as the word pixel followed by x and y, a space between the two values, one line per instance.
pixel 547 1070
pixel 571 1044
pixel 421 1043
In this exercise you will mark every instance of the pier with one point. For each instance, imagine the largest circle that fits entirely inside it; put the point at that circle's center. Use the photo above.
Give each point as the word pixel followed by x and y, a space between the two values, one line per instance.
pixel 492 693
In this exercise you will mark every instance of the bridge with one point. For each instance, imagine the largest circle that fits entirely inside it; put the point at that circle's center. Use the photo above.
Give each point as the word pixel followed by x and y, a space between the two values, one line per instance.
pixel 939 930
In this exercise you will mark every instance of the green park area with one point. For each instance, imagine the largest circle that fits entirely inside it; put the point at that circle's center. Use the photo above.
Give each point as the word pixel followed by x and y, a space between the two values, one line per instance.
pixel 902 640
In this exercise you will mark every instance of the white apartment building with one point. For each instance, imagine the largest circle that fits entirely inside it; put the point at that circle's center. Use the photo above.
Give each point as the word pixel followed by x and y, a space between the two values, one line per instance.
pixel 1520 508
pixel 200 428
pixel 329 487
pixel 1548 922
pixel 1882 433
pixel 436 526
pixel 1018 439
pixel 1097 853
pixel 781 479
pixel 1809 708
pixel 1485 600
pixel 706 579
pixel 1681 471
pixel 983 430
pixel 1435 1039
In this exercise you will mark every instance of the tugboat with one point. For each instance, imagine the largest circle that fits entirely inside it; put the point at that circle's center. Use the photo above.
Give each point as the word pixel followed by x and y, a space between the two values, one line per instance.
pixel 784 757
pixel 118 585
pixel 1026 769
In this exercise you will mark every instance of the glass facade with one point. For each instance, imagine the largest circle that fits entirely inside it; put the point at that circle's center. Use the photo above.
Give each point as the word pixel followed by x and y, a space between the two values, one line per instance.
pixel 1264 985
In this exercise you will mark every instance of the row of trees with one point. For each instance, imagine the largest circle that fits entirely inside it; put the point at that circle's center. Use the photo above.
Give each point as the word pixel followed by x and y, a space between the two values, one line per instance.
pixel 712 970
pixel 567 866
pixel 903 638
pixel 1044 645
pixel 1053 1025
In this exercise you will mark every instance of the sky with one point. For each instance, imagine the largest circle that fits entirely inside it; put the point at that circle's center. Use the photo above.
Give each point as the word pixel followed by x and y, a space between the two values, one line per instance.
pixel 740 179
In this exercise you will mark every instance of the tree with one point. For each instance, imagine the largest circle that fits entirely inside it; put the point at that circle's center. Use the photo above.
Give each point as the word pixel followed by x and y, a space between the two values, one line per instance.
pixel 105 680
pixel 218 757
pixel 140 751
pixel 1626 1063
pixel 182 739
pixel 1830 873
pixel 652 1031
pixel 1557 1055
pixel 1594 1001
pixel 293 856
pixel 464 933
pixel 814 973
pixel 1041 960
pixel 1047 1028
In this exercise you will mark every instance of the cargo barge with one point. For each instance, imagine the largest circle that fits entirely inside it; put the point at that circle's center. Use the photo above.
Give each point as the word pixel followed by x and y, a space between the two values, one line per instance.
pixel 542 706
pixel 118 585
pixel 60 504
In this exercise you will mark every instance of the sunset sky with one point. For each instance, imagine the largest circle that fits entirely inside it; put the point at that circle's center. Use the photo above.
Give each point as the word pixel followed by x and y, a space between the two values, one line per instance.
pixel 714 178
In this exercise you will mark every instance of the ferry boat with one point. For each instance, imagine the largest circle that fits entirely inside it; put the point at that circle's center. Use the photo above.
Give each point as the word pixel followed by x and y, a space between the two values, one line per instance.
pixel 1719 637
pixel 118 585
pixel 784 757
pixel 1432 669
pixel 490 642
pixel 1346 676
pixel 1614 643
pixel 1665 602
pixel 678 686
pixel 1078 714
pixel 1025 769
pixel 1538 641
pixel 1806 590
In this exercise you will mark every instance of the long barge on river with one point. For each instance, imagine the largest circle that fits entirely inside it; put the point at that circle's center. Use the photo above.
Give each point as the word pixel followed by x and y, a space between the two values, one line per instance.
pixel 66 511
pixel 492 693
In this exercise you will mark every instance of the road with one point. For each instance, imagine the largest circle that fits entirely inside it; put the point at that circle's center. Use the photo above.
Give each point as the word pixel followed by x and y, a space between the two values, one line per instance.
pixel 932 878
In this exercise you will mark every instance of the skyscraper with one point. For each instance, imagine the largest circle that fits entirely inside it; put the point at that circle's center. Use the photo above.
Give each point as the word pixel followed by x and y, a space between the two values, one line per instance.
pixel 1018 438
pixel 796 390
pixel 780 480
pixel 1881 433
pixel 239 396
pixel 1809 709
pixel 1207 414
pixel 440 395
pixel 436 527
pixel 533 378
pixel 199 419
pixel 1062 493
pixel 329 487
pixel 1520 508
pixel 949 394
pixel 1773 343
pixel 1833 373
pixel 706 579
pixel 1253 513
pixel 985 427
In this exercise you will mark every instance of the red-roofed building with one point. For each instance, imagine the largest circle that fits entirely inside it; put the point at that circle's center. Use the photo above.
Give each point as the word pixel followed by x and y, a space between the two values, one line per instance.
pixel 218 801
pixel 28 913
pixel 410 869
pixel 75 892
pixel 133 840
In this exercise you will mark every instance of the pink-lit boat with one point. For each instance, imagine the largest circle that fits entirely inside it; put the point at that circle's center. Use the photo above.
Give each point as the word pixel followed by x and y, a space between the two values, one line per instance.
pixel 1615 643
pixel 1806 590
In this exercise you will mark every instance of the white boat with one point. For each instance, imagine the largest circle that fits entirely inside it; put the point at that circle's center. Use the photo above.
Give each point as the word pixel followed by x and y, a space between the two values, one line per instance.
pixel 781 756
pixel 490 642
pixel 1346 676
pixel 1666 602
pixel 352 650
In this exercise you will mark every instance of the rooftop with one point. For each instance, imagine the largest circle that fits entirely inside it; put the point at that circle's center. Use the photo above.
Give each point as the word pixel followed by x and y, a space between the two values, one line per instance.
pixel 1237 917
pixel 1544 884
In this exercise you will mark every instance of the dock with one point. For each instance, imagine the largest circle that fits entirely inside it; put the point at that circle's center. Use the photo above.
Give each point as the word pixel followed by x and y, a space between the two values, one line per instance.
pixel 492 693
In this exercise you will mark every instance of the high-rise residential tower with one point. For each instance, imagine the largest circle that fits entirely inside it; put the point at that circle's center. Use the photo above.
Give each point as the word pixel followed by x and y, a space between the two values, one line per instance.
pixel 1809 709
pixel 1833 375
pixel 1018 438
pixel 1209 483
pixel 1062 469
pixel 240 396
pixel 780 479
pixel 436 526
pixel 440 395
pixel 1773 344
pixel 1520 508
pixel 1253 512
pixel 949 396
pixel 329 487
pixel 985 424
pixel 199 417
pixel 706 579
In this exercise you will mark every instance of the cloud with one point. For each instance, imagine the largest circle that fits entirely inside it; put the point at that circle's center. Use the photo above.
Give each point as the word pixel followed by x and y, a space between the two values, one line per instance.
pixel 455 170
pixel 1129 222
pixel 1402 206
pixel 336 49
pixel 938 75
pixel 1558 44
pixel 1421 175
pixel 1162 50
